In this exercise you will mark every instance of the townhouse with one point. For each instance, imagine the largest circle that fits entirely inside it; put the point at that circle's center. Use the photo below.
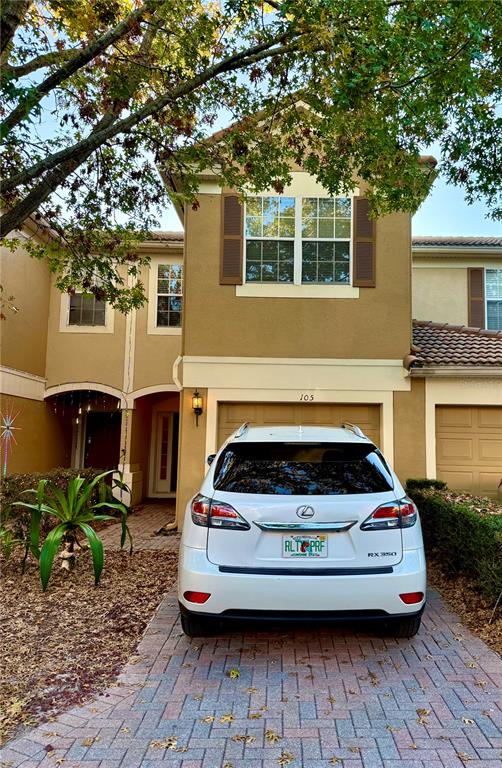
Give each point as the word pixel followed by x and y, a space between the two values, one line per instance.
pixel 287 309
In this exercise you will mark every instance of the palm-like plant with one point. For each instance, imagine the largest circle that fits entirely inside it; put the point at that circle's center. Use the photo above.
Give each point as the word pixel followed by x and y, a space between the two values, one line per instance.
pixel 76 513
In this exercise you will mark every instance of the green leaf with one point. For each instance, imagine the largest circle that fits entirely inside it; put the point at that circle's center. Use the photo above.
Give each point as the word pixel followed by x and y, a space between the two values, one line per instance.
pixel 59 497
pixel 96 546
pixel 34 532
pixel 48 552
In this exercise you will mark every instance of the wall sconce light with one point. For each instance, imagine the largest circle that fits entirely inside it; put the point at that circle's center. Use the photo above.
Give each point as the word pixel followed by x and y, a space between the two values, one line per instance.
pixel 197 406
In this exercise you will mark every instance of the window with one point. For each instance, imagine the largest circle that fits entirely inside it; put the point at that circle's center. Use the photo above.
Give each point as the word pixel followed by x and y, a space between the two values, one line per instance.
pixel 493 291
pixel 292 469
pixel 169 295
pixel 85 309
pixel 300 240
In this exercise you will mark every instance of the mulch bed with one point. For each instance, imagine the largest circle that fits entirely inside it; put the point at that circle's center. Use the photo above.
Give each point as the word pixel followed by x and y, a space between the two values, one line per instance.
pixel 473 608
pixel 61 648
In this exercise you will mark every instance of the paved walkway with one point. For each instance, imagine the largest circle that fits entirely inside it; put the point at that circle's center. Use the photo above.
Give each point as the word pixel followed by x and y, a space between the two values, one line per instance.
pixel 144 523
pixel 332 697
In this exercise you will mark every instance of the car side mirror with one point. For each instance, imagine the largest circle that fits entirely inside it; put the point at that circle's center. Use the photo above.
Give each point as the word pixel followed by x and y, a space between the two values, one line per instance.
pixel 211 458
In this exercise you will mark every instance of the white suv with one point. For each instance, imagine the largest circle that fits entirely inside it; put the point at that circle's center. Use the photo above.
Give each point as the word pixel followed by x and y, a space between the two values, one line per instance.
pixel 301 523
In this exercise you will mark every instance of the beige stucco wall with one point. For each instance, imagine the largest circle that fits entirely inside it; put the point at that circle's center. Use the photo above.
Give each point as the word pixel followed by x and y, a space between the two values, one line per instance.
pixel 74 357
pixel 24 334
pixel 43 438
pixel 191 452
pixel 376 325
pixel 409 432
pixel 154 354
pixel 440 294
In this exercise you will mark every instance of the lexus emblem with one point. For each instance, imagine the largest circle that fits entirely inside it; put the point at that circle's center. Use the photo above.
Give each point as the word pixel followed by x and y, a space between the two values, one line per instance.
pixel 305 511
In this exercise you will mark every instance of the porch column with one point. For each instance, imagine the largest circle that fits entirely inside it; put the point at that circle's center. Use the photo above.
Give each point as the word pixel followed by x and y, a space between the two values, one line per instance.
pixel 132 475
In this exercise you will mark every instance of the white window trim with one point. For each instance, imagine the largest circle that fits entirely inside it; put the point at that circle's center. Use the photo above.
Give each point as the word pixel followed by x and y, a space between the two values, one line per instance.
pixel 499 269
pixel 303 185
pixel 64 319
pixel 153 328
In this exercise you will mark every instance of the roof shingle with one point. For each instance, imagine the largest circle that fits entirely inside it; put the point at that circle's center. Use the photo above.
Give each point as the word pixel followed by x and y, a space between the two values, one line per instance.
pixel 431 241
pixel 444 344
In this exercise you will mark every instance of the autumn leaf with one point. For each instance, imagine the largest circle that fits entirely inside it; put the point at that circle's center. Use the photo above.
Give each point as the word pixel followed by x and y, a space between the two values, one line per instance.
pixel 252 690
pixel 286 758
pixel 199 697
pixel 227 718
pixel 254 715
pixel 467 721
pixel 464 757
pixel 334 760
pixel 354 749
pixel 247 739
pixel 170 743
pixel 234 674
pixel 208 719
pixel 272 736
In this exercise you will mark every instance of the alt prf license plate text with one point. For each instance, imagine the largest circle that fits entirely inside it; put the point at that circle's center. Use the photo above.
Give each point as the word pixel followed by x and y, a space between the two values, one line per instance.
pixel 305 546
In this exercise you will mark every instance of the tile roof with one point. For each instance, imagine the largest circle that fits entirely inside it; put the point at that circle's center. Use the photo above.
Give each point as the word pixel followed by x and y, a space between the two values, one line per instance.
pixel 456 242
pixel 165 236
pixel 449 345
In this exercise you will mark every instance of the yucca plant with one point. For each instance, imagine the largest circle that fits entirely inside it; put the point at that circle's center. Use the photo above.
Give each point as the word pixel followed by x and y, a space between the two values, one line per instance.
pixel 76 513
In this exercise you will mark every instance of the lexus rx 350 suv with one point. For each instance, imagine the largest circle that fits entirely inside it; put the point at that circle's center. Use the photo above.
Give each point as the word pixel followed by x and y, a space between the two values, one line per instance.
pixel 301 523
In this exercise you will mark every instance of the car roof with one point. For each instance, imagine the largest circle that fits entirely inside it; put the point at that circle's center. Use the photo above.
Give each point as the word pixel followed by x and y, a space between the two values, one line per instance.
pixel 294 433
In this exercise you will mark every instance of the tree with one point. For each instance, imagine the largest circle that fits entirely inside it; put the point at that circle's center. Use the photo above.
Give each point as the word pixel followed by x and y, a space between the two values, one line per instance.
pixel 99 96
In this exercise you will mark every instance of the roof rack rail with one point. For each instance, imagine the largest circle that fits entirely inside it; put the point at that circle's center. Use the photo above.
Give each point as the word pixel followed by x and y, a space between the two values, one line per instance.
pixel 242 429
pixel 354 428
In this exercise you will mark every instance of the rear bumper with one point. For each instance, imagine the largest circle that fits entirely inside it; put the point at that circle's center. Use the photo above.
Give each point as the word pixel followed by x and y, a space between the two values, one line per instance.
pixel 302 616
pixel 272 596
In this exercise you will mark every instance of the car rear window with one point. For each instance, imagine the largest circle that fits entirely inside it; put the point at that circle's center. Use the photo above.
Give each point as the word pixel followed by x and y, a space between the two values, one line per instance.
pixel 305 469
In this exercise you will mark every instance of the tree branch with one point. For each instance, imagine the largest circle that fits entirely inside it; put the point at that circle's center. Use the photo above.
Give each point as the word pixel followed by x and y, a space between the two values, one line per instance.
pixel 25 106
pixel 13 12
pixel 10 72
pixel 69 159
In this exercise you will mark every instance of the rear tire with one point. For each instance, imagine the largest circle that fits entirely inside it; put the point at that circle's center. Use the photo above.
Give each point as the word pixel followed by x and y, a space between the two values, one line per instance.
pixel 197 626
pixel 404 627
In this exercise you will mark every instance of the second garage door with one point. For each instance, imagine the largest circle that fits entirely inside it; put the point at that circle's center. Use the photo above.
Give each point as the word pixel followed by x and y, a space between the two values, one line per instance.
pixel 232 415
pixel 469 447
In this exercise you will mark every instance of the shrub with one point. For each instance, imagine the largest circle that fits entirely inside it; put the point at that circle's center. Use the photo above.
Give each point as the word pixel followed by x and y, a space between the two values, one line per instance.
pixel 421 483
pixel 466 539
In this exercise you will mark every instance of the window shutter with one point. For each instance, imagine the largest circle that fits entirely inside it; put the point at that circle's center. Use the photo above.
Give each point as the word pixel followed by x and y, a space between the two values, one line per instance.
pixel 476 287
pixel 231 241
pixel 363 245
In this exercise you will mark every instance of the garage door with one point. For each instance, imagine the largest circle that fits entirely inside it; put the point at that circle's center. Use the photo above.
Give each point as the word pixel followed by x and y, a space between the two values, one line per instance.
pixel 469 448
pixel 232 415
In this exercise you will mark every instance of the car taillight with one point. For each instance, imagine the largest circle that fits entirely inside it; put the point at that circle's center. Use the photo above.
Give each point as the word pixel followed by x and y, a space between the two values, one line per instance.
pixel 216 514
pixel 394 514
pixel 196 597
pixel 411 598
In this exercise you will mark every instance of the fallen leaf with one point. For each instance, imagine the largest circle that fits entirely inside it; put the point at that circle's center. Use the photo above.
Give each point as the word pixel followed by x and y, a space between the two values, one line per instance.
pixel 392 728
pixel 125 729
pixel 199 697
pixel 332 699
pixel 254 715
pixel 354 749
pixel 472 665
pixel 467 721
pixel 170 743
pixel 412 746
pixel 234 674
pixel 423 712
pixel 208 719
pixel 272 736
pixel 286 758
pixel 247 739
pixel 227 718
pixel 481 683
pixel 252 690
pixel 334 760
pixel 464 757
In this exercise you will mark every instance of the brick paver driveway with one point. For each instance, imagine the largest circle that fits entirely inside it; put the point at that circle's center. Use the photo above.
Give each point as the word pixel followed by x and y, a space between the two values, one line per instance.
pixel 333 697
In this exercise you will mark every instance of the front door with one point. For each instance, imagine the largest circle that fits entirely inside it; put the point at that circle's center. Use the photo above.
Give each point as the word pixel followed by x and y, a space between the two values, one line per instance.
pixel 164 453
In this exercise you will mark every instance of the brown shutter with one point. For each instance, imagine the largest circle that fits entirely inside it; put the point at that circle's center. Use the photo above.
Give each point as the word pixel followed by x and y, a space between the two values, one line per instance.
pixel 231 241
pixel 364 245
pixel 476 288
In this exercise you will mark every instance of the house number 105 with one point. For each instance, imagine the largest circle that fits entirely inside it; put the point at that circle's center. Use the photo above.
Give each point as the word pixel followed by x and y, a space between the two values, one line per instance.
pixel 306 397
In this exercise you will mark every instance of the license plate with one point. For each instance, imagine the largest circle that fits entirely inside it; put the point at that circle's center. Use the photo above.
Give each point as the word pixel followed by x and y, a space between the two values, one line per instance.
pixel 305 546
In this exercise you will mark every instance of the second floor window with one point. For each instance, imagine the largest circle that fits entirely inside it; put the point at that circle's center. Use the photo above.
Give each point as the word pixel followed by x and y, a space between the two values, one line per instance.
pixel 86 310
pixel 298 240
pixel 169 295
pixel 493 290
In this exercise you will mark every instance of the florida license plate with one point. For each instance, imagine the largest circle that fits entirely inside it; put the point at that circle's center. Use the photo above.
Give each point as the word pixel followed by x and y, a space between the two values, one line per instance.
pixel 305 546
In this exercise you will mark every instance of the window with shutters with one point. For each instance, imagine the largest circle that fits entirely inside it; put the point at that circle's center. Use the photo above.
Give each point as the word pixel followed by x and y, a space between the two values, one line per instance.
pixel 493 294
pixel 298 240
